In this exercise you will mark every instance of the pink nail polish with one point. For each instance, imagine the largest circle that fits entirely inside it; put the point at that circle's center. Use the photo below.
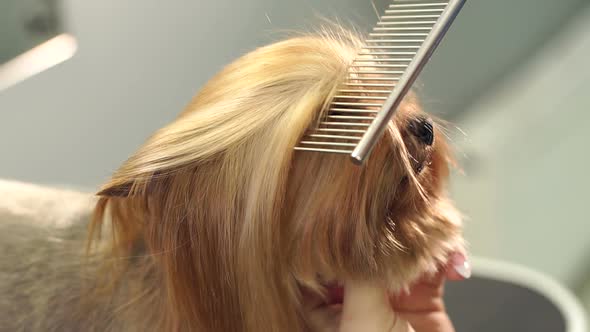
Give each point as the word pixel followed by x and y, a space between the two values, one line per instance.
pixel 461 265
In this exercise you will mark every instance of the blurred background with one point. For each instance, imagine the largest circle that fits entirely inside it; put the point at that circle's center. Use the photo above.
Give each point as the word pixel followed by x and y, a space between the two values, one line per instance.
pixel 84 83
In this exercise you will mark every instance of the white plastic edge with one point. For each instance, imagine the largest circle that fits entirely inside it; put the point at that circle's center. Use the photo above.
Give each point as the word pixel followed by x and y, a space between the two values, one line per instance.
pixel 570 307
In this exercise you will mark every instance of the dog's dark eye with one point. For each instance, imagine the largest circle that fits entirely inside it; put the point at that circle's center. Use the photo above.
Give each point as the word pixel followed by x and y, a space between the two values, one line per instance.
pixel 420 168
pixel 423 129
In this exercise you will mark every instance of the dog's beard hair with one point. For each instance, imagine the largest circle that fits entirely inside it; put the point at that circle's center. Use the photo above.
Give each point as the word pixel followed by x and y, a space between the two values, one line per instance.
pixel 235 224
pixel 368 224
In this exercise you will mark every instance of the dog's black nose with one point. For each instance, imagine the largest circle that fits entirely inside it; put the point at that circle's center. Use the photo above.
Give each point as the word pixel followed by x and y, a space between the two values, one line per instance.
pixel 423 129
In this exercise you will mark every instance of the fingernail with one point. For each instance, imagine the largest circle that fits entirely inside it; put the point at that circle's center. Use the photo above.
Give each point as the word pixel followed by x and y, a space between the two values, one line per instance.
pixel 461 265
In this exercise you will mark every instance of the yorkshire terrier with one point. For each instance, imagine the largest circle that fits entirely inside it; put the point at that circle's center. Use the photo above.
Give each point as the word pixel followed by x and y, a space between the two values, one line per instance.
pixel 217 224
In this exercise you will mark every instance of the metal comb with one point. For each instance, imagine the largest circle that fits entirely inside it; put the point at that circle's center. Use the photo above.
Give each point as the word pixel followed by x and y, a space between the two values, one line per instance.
pixel 380 76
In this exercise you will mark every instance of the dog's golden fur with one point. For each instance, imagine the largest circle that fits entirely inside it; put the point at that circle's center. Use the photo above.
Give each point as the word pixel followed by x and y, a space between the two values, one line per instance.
pixel 218 224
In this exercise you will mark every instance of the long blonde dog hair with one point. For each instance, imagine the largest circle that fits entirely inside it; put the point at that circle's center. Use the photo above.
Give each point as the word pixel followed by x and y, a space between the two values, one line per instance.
pixel 216 220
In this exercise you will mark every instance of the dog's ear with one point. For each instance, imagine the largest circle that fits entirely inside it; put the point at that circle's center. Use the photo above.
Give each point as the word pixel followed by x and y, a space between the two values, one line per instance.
pixel 120 190
pixel 126 186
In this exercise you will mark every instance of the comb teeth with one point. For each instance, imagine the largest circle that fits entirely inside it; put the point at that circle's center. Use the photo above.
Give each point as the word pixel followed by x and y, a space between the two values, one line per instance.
pixel 394 53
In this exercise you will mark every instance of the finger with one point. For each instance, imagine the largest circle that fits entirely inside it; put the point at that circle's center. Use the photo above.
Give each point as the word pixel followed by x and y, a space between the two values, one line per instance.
pixel 458 268
pixel 436 321
pixel 424 296
pixel 432 280
pixel 427 293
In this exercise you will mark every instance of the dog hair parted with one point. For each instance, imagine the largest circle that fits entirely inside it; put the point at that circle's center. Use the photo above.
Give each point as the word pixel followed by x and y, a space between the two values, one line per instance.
pixel 217 224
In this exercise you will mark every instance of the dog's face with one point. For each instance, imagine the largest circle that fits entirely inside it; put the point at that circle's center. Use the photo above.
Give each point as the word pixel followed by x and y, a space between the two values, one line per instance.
pixel 249 234
pixel 386 223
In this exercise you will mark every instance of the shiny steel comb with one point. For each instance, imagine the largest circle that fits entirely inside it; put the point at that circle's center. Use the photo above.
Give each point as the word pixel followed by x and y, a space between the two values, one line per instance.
pixel 381 75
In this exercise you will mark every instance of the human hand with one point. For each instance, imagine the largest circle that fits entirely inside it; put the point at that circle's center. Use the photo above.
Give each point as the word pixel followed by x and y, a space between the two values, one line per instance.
pixel 423 307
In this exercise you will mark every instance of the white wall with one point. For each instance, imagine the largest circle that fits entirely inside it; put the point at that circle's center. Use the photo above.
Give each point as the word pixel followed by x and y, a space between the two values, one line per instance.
pixel 139 62
pixel 527 184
